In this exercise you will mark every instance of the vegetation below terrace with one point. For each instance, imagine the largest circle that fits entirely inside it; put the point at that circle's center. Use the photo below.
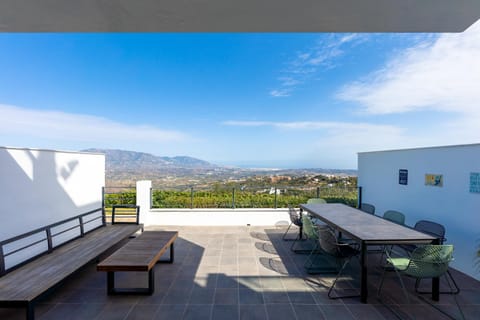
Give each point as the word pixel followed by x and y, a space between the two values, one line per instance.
pixel 252 192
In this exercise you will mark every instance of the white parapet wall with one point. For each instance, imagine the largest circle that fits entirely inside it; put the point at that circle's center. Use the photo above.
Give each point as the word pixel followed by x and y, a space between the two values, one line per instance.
pixel 41 187
pixel 440 184
pixel 205 217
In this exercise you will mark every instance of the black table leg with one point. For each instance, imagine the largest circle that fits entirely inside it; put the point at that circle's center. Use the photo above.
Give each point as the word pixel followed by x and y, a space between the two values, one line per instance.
pixel 363 275
pixel 436 282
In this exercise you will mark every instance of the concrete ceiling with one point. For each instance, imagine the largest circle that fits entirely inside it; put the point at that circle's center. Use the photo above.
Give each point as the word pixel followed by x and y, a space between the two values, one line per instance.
pixel 238 15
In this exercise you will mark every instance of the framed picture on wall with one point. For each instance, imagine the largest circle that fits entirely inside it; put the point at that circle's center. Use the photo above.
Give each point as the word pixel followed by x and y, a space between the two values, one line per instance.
pixel 435 180
pixel 403 176
pixel 474 182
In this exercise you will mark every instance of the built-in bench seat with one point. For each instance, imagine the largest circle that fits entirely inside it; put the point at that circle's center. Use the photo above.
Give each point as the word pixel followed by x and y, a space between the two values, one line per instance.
pixel 58 251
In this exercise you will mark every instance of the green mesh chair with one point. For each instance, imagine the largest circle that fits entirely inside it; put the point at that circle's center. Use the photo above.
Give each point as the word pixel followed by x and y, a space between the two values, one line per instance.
pixel 316 261
pixel 429 261
pixel 396 217
pixel 310 234
pixel 316 200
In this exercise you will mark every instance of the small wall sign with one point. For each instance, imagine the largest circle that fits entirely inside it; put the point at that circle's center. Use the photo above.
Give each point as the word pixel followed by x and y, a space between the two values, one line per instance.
pixel 474 182
pixel 435 180
pixel 403 176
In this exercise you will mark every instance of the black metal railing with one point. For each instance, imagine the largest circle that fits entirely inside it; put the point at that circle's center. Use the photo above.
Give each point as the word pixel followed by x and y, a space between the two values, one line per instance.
pixel 190 197
pixel 47 238
pixel 250 197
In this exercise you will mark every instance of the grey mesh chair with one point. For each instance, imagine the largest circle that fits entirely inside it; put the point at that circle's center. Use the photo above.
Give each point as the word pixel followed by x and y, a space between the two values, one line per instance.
pixel 428 261
pixel 341 252
pixel 368 208
pixel 295 219
pixel 438 231
pixel 393 216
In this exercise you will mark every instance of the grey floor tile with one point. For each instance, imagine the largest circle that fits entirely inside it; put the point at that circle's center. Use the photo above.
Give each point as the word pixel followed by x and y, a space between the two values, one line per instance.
pixel 301 297
pixel 142 312
pixel 198 312
pixel 276 297
pixel 223 312
pixel 202 296
pixel 280 311
pixel 247 296
pixel 308 311
pixel 365 312
pixel 253 312
pixel 336 312
pixel 114 311
pixel 170 311
pixel 226 296
pixel 177 296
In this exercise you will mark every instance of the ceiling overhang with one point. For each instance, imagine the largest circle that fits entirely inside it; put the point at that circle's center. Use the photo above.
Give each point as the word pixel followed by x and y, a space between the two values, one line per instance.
pixel 238 15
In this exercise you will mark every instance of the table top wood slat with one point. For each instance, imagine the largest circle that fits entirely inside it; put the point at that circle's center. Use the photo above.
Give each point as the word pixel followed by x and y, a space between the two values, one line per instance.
pixel 31 280
pixel 141 253
pixel 365 227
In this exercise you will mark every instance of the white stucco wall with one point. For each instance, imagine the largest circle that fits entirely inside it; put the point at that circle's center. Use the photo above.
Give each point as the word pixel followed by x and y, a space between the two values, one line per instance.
pixel 452 205
pixel 40 187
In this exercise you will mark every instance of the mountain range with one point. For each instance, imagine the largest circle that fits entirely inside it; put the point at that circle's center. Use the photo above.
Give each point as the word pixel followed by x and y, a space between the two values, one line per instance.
pixel 123 168
pixel 132 159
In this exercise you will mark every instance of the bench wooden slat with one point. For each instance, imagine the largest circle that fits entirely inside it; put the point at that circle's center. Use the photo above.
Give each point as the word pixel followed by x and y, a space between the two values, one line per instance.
pixel 31 280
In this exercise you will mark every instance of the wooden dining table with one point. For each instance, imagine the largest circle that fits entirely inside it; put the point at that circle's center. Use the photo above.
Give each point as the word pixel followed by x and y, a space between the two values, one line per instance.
pixel 368 230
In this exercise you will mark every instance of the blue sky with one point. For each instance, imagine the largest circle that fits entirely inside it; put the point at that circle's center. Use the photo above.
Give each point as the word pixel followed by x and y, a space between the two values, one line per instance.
pixel 262 100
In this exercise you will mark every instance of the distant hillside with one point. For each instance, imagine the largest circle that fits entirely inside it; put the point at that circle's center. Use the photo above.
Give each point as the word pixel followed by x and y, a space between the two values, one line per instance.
pixel 124 168
pixel 138 161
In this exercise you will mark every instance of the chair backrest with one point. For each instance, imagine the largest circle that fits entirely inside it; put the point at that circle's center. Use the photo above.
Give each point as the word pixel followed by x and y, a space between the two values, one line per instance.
pixel 328 240
pixel 294 216
pixel 316 200
pixel 432 228
pixel 368 208
pixel 308 227
pixel 430 261
pixel 394 216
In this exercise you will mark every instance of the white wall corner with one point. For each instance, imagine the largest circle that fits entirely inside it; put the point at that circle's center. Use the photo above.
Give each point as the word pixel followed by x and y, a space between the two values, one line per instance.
pixel 143 199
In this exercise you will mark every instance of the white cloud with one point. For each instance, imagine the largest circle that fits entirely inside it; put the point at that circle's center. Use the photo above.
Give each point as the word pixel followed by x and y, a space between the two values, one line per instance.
pixel 62 126
pixel 305 65
pixel 280 93
pixel 442 75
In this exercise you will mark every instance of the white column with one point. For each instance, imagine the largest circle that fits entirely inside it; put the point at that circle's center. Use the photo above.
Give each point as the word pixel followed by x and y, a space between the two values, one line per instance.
pixel 143 199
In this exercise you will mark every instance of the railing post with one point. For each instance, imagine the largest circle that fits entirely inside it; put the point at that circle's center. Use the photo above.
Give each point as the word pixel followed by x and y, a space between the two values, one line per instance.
pixel 318 192
pixel 233 198
pixel 2 261
pixel 359 197
pixel 275 205
pixel 104 220
pixel 191 197
pixel 151 198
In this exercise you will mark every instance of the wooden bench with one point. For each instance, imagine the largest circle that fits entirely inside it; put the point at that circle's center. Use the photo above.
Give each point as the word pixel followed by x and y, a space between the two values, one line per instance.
pixel 58 250
pixel 139 254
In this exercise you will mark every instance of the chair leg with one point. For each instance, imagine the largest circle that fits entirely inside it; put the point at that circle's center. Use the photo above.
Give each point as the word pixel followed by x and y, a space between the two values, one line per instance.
pixel 447 275
pixel 284 237
pixel 311 265
pixel 454 297
pixel 331 290
pixel 302 251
